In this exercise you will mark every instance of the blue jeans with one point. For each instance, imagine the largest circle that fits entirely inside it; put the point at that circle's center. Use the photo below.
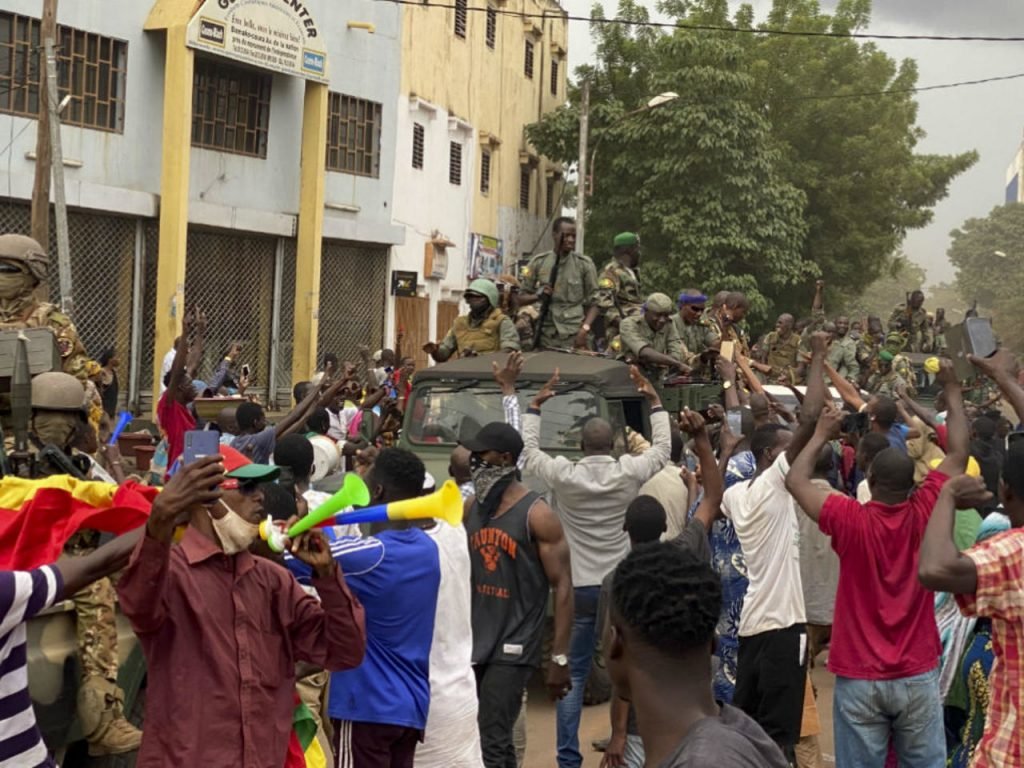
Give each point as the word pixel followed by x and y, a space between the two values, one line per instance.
pixel 867 712
pixel 581 653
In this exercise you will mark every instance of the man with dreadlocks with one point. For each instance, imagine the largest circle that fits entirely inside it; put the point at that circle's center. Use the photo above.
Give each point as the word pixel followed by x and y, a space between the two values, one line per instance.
pixel 665 602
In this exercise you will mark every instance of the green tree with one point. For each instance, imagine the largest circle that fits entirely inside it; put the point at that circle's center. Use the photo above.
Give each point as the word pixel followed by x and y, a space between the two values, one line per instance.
pixel 885 293
pixel 989 260
pixel 750 179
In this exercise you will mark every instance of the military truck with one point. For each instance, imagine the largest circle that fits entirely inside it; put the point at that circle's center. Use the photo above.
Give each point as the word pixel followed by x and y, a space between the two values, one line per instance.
pixel 456 398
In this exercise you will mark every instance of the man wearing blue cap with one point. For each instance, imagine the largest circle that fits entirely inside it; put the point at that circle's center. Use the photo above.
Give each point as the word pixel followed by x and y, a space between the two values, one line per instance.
pixel 485 329
pixel 618 286
pixel 692 325
pixel 563 282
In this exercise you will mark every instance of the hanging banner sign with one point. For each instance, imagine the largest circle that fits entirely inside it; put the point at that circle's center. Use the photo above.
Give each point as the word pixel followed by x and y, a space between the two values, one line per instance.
pixel 279 35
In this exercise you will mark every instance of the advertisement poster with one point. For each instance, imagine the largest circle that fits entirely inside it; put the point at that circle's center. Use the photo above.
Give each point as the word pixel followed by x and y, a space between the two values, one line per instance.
pixel 279 35
pixel 486 257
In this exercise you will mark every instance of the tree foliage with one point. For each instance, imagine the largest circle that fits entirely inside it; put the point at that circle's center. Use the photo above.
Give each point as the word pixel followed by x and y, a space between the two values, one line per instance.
pixel 991 279
pixel 750 180
pixel 900 277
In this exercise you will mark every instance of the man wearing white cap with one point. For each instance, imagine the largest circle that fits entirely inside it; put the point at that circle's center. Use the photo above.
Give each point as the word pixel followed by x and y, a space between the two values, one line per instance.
pixel 485 329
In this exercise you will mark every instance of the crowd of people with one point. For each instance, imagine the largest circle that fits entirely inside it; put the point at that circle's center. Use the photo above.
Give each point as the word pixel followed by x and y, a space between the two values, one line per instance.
pixel 712 563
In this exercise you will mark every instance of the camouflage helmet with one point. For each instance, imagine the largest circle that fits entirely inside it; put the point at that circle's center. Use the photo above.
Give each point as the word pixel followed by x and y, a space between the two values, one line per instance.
pixel 57 391
pixel 21 248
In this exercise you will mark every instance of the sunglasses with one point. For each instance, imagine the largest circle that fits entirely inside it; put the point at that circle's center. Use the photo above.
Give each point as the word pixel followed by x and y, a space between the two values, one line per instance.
pixel 695 307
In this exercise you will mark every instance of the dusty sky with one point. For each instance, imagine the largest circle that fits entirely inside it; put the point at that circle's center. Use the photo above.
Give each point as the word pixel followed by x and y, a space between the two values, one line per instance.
pixel 988 118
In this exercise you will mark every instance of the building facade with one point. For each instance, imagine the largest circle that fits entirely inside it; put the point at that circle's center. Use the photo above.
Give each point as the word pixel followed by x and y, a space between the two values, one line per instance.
pixel 1013 188
pixel 473 196
pixel 199 177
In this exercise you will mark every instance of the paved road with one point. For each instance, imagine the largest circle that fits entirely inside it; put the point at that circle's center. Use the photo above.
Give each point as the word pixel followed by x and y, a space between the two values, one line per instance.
pixel 540 746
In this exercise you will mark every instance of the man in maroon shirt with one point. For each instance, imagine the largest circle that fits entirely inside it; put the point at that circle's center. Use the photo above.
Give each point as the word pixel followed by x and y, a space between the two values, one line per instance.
pixel 885 645
pixel 222 629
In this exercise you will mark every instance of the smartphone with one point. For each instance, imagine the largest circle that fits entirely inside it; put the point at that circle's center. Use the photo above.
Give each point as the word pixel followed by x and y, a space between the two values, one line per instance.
pixel 981 337
pixel 728 350
pixel 734 418
pixel 245 370
pixel 973 336
pixel 200 443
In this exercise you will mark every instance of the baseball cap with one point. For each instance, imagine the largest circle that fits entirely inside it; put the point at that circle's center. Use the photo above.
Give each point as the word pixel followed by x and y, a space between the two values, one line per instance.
pixel 496 436
pixel 241 469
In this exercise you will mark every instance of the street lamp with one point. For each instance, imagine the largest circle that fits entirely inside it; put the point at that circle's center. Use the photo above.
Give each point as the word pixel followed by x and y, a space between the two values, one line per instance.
pixel 652 103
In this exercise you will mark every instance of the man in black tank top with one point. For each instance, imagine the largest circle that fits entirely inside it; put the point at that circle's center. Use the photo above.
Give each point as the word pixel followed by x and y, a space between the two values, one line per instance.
pixel 517 552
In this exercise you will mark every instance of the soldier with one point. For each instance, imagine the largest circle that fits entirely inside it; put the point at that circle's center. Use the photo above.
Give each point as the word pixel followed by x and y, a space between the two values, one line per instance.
pixel 57 413
pixel 726 316
pixel 693 326
pixel 939 333
pixel 485 329
pixel 562 282
pixel 618 287
pixel 23 265
pixel 870 342
pixel 651 339
pixel 780 348
pixel 912 319
pixel 842 354
pixel 893 373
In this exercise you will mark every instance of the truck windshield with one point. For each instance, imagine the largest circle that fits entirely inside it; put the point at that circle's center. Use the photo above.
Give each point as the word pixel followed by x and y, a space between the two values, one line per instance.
pixel 440 415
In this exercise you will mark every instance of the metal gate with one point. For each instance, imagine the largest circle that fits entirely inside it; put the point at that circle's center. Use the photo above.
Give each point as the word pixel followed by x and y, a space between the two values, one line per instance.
pixel 353 281
pixel 103 268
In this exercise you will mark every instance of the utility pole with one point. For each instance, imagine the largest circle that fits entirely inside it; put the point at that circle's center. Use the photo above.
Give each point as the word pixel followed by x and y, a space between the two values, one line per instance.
pixel 60 202
pixel 581 168
pixel 41 185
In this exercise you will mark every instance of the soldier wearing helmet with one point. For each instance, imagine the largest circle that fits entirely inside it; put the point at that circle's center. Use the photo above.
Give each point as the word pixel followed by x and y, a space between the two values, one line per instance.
pixel 59 416
pixel 485 329
pixel 23 266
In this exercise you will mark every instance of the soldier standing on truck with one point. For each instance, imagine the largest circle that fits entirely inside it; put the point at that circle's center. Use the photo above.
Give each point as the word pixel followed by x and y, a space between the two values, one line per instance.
pixel 618 287
pixel 58 412
pixel 651 340
pixel 912 319
pixel 561 283
pixel 484 330
pixel 23 265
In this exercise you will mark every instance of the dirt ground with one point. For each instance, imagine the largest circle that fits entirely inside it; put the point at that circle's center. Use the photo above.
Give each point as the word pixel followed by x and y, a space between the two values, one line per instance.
pixel 540 738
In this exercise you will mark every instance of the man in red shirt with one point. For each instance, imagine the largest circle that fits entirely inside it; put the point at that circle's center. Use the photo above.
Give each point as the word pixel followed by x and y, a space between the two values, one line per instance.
pixel 988 579
pixel 172 411
pixel 885 645
pixel 222 629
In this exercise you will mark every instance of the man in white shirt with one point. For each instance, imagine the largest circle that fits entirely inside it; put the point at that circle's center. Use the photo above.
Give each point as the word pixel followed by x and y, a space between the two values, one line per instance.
pixel 669 489
pixel 165 366
pixel 590 497
pixel 771 669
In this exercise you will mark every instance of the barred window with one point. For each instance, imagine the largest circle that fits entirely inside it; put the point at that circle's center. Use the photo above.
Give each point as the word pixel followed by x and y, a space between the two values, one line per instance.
pixel 485 171
pixel 455 163
pixel 353 136
pixel 552 194
pixel 91 69
pixel 554 77
pixel 524 187
pixel 492 26
pixel 417 145
pixel 528 60
pixel 460 18
pixel 230 108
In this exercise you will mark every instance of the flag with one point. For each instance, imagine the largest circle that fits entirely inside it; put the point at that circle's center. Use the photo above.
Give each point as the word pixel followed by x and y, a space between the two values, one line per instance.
pixel 37 517
pixel 303 749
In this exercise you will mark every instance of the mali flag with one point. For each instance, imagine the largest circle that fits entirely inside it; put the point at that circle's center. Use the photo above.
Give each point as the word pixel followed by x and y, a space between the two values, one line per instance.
pixel 303 748
pixel 37 517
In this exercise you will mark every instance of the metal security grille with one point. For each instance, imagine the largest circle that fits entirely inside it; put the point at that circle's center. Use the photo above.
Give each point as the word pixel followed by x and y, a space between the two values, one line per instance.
pixel 554 77
pixel 286 336
pixel 230 108
pixel 90 67
pixel 524 187
pixel 492 26
pixel 231 277
pixel 460 17
pixel 418 136
pixel 485 171
pixel 102 266
pixel 455 163
pixel 528 60
pixel 149 355
pixel 353 280
pixel 353 136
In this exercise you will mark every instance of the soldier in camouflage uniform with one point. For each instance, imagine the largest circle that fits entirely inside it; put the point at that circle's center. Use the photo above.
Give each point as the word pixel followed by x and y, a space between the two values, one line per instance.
pixel 893 373
pixel 724 320
pixel 564 324
pixel 57 409
pixel 697 332
pixel 779 350
pixel 618 288
pixel 912 319
pixel 650 340
pixel 842 354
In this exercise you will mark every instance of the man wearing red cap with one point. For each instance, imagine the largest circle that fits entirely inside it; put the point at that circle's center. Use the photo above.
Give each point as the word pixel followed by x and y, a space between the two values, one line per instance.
pixel 222 629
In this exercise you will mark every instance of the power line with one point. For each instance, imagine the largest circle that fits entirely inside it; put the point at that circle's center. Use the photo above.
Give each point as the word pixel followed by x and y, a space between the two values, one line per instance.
pixel 715 27
pixel 899 91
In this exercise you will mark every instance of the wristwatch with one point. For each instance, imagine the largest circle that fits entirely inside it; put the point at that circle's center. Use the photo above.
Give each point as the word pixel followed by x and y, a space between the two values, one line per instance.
pixel 560 660
pixel 726 384
pixel 585 327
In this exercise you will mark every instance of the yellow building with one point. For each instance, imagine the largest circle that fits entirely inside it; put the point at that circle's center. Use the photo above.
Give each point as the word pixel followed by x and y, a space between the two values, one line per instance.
pixel 474 196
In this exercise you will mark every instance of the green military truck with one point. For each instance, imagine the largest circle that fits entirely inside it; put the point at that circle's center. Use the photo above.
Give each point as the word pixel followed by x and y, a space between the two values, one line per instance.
pixel 456 398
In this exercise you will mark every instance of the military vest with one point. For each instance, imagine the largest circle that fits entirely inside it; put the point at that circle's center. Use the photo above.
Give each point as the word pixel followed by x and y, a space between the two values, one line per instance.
pixel 483 338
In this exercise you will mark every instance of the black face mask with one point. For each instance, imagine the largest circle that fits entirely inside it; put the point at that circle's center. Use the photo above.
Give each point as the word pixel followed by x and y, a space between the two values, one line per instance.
pixel 489 481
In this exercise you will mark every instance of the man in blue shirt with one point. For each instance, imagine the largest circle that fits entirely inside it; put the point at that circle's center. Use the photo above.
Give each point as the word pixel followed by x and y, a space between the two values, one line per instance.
pixel 379 709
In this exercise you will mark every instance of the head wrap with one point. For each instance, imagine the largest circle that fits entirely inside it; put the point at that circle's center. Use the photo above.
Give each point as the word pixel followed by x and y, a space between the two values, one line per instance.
pixel 626 239
pixel 659 302
pixel 686 298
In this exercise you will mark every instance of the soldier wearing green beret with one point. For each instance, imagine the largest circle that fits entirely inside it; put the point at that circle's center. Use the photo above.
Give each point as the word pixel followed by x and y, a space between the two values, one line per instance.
pixel 566 282
pixel 651 339
pixel 618 286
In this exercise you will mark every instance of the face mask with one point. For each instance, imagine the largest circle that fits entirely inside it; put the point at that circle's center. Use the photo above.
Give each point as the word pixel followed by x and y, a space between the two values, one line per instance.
pixel 234 532
pixel 15 294
pixel 487 476
pixel 53 428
